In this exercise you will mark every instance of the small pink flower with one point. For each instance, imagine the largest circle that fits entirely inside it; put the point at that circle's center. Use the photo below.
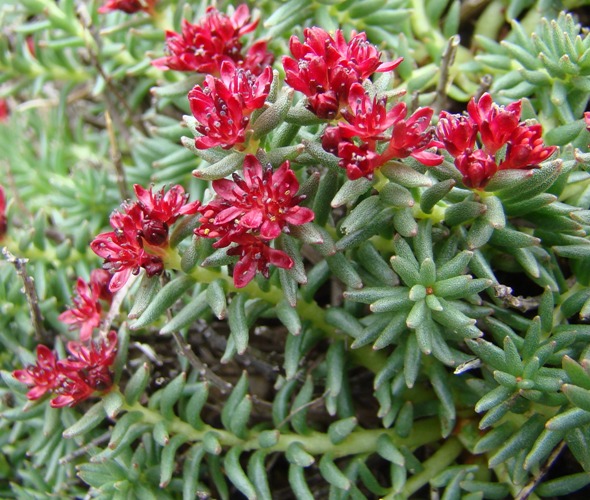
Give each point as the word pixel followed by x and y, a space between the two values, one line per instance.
pixel 477 167
pixel 495 123
pixel 457 132
pixel 526 148
pixel 87 311
pixel 367 118
pixel 72 391
pixel 162 209
pixel 86 370
pixel 74 379
pixel 223 106
pixel 359 161
pixel 251 211
pixel 324 68
pixel 4 111
pixel 264 200
pixel 43 377
pixel 204 46
pixel 165 206
pixel 255 255
pixel 123 250
pixel 412 137
pixel 128 6
pixel 91 361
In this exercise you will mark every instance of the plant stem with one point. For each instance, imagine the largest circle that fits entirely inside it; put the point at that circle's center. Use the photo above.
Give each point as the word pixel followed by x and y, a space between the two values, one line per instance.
pixel 316 443
pixel 438 462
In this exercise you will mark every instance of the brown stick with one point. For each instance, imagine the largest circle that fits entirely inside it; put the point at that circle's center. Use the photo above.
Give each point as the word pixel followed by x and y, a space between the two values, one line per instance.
pixel 31 293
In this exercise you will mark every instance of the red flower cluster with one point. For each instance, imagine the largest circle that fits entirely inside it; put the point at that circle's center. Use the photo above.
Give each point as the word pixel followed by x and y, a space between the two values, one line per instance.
pixel 128 6
pixel 4 111
pixel 73 379
pixel 223 106
pixel 140 232
pixel 204 46
pixel 324 68
pixel 87 310
pixel 250 212
pixel 499 127
pixel 363 142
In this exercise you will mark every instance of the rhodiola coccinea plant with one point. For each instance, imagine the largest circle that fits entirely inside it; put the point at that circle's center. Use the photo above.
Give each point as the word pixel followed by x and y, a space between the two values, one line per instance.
pixel 296 250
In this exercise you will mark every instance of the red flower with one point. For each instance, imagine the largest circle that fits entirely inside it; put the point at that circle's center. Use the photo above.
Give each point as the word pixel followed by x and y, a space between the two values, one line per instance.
pixel 526 149
pixel 91 361
pixel 165 206
pixel 457 132
pixel 477 167
pixel 367 118
pixel 223 106
pixel 128 6
pixel 359 161
pixel 43 376
pixel 3 220
pixel 495 123
pixel 324 68
pixel 587 120
pixel 248 212
pixel 4 111
pixel 264 201
pixel 255 255
pixel 160 210
pixel 122 248
pixel 86 313
pixel 86 370
pixel 412 137
pixel 71 391
pixel 74 379
pixel 257 58
pixel 204 46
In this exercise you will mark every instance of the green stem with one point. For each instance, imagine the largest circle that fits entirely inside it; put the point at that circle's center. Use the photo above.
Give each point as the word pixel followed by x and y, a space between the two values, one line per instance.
pixel 48 255
pixel 438 462
pixel 316 443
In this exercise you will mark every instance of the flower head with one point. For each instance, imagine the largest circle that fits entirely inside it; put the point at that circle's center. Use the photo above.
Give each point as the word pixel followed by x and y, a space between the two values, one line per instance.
pixel 91 361
pixel 43 377
pixel 367 118
pixel 264 200
pixel 499 129
pixel 412 137
pixel 160 210
pixel 4 112
pixel 526 148
pixel 457 132
pixel 222 107
pixel 324 68
pixel 127 6
pixel 123 249
pixel 255 255
pixel 477 167
pixel 87 311
pixel 250 212
pixel 359 161
pixel 165 206
pixel 204 46
pixel 495 123
pixel 74 379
